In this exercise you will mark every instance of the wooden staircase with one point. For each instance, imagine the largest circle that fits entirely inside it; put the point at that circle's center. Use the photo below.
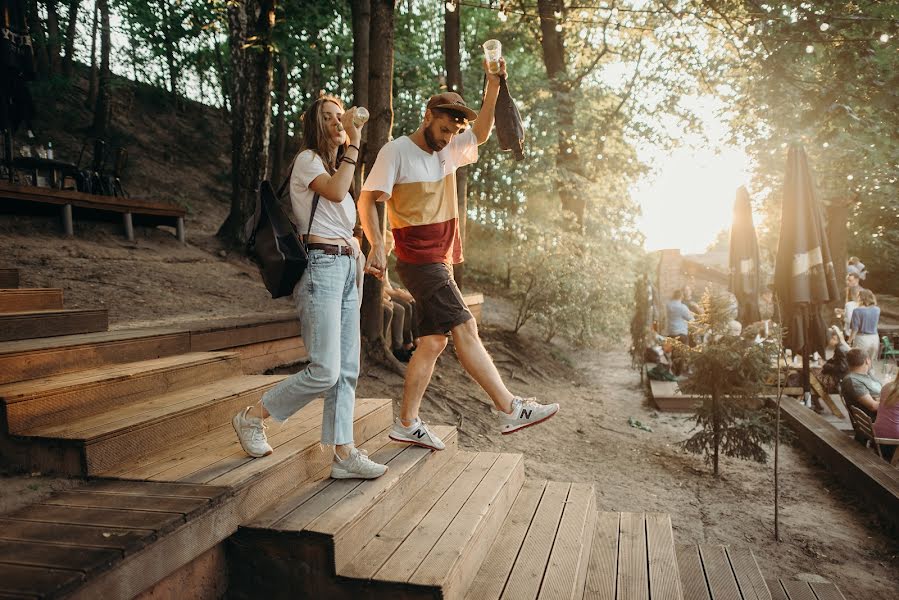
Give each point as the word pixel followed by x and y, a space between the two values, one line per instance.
pixel 174 502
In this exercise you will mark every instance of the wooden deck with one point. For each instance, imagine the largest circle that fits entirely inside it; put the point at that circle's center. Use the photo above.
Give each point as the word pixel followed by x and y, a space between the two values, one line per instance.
pixel 788 589
pixel 859 468
pixel 147 415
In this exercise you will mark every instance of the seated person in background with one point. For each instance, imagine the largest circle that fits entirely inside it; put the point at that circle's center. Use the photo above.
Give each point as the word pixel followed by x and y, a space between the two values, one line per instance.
pixel 858 267
pixel 859 387
pixel 404 330
pixel 863 324
pixel 835 369
pixel 887 423
pixel 678 317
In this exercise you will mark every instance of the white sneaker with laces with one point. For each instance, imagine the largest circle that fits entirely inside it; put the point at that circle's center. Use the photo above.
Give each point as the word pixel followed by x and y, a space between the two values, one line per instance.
pixel 417 433
pixel 356 466
pixel 525 412
pixel 251 433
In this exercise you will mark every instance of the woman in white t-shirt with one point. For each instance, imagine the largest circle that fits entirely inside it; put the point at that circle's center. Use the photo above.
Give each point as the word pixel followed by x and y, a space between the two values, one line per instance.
pixel 327 296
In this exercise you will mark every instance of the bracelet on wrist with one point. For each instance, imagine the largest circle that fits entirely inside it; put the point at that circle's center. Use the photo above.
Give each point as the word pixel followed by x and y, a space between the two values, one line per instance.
pixel 354 146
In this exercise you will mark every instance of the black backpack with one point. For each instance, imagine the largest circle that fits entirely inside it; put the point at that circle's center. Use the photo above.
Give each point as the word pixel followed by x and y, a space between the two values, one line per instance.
pixel 274 244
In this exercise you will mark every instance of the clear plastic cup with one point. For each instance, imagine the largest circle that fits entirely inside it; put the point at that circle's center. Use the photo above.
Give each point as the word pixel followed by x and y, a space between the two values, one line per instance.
pixel 493 51
pixel 360 118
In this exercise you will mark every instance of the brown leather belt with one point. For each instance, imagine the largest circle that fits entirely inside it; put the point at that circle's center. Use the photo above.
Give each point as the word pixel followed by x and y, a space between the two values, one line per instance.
pixel 335 249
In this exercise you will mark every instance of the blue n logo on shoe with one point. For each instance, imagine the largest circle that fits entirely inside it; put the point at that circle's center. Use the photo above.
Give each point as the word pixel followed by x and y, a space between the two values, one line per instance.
pixel 419 433
pixel 525 413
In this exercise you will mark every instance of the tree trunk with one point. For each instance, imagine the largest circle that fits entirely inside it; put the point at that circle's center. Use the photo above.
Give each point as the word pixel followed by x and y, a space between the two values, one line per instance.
pixel 53 38
pixel 92 77
pixel 103 110
pixel 716 431
pixel 452 42
pixel 68 64
pixel 380 88
pixel 169 46
pixel 281 122
pixel 361 10
pixel 555 61
pixel 251 108
pixel 38 39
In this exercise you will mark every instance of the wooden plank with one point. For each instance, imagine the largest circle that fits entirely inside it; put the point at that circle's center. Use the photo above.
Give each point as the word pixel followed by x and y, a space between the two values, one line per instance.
pixel 719 574
pixel 122 204
pixel 36 554
pixel 798 590
pixel 9 278
pixel 602 572
pixel 50 323
pixel 29 359
pixel 692 575
pixel 455 558
pixel 129 519
pixel 776 589
pixel 125 540
pixel 418 544
pixel 527 574
pixel 356 530
pixel 561 576
pixel 826 591
pixel 236 334
pixel 334 491
pixel 490 580
pixel 38 581
pixel 664 581
pixel 89 499
pixel 153 488
pixel 633 579
pixel 586 552
pixel 749 576
pixel 382 546
pixel 29 299
pixel 65 398
pixel 258 358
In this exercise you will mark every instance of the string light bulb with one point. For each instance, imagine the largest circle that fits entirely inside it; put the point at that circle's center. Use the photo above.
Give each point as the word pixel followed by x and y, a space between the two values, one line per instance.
pixel 502 16
pixel 450 6
pixel 884 37
pixel 809 49
pixel 559 27
pixel 849 177
pixel 825 26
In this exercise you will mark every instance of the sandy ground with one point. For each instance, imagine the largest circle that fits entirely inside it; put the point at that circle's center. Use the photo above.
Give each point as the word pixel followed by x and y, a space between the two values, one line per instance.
pixel 825 531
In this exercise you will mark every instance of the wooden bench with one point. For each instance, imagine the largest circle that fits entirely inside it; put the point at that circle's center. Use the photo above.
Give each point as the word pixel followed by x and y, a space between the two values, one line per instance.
pixel 148 212
pixel 875 480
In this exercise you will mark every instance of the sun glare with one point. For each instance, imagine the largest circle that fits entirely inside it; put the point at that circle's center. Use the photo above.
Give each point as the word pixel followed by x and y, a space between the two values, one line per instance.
pixel 689 198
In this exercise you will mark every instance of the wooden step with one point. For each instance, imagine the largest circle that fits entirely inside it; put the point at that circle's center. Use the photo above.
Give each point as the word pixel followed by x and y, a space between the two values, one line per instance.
pixel 30 299
pixel 59 399
pixel 710 571
pixel 29 359
pixel 429 542
pixel 543 547
pixel 138 430
pixel 346 514
pixel 161 531
pixel 49 323
pixel 9 278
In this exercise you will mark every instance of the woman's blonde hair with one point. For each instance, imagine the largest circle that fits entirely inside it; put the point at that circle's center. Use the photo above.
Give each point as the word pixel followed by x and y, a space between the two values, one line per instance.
pixel 893 397
pixel 867 298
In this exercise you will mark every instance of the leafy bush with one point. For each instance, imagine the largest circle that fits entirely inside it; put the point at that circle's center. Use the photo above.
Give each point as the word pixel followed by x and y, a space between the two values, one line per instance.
pixel 728 372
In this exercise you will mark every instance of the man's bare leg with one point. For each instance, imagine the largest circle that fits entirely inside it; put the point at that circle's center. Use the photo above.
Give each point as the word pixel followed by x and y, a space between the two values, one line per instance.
pixel 476 360
pixel 418 375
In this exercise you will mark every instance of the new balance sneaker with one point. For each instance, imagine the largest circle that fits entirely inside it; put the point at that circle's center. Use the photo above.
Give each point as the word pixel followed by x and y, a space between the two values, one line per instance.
pixel 251 433
pixel 356 466
pixel 417 433
pixel 525 412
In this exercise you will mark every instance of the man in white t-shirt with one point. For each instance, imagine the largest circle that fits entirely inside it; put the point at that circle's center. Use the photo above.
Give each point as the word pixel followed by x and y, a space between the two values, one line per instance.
pixel 416 176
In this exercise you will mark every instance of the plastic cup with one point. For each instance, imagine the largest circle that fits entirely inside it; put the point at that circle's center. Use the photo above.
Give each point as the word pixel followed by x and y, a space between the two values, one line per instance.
pixel 360 118
pixel 493 51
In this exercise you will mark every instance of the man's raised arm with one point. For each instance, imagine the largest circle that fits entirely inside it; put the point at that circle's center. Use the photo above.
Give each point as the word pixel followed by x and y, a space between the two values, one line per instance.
pixel 483 125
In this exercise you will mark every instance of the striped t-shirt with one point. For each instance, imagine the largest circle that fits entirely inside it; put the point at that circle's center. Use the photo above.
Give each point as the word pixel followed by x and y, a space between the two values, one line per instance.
pixel 420 190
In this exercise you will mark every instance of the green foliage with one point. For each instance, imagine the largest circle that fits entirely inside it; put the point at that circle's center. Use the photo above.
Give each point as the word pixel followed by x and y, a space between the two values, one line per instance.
pixel 728 372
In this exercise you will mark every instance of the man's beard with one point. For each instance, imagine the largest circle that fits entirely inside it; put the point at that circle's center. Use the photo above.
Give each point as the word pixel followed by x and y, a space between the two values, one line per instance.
pixel 431 142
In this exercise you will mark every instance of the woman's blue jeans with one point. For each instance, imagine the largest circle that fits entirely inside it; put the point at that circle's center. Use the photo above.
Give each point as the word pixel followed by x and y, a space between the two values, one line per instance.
pixel 328 303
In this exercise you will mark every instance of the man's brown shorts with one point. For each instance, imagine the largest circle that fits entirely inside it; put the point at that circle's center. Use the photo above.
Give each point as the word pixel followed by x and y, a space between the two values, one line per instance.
pixel 439 303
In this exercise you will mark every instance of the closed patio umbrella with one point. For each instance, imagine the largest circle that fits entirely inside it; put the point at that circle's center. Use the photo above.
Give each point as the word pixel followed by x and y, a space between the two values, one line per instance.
pixel 744 260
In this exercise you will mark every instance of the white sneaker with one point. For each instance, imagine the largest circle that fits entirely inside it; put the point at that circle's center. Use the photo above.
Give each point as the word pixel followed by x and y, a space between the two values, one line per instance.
pixel 251 433
pixel 417 433
pixel 524 414
pixel 356 466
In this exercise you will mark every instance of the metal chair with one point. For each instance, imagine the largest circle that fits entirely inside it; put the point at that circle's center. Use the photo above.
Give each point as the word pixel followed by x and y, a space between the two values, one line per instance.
pixel 861 421
pixel 886 348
